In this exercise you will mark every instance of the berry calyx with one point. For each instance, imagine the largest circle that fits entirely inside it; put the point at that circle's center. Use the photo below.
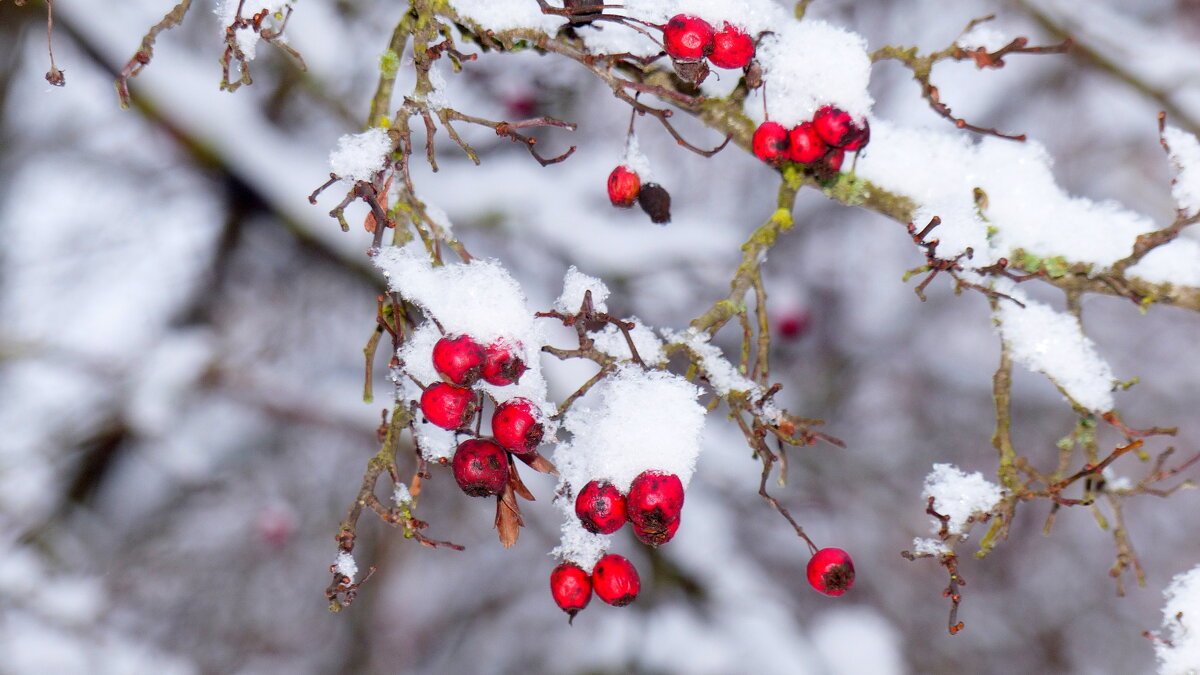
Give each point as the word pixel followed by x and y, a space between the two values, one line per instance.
pixel 831 571
pixel 448 406
pixel 600 507
pixel 732 48
pixel 656 539
pixel 770 143
pixel 623 187
pixel 615 580
pixel 654 504
pixel 458 359
pixel 805 144
pixel 515 426
pixel 501 365
pixel 687 38
pixel 837 128
pixel 480 467
pixel 571 588
pixel 656 202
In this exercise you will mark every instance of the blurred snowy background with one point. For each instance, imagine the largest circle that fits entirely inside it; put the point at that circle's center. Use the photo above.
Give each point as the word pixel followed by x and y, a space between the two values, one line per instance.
pixel 181 423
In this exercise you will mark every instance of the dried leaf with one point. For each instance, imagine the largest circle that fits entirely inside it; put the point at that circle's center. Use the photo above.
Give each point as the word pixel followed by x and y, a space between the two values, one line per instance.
pixel 514 480
pixel 508 517
pixel 538 463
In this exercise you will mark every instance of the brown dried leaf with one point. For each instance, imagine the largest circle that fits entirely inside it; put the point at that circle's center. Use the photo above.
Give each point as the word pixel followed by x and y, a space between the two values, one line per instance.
pixel 514 480
pixel 538 463
pixel 508 517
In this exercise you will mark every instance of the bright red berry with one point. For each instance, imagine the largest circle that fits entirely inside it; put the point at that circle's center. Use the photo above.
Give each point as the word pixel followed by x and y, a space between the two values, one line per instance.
pixel 515 426
pixel 480 467
pixel 501 365
pixel 732 48
pixel 659 538
pixel 600 507
pixel 687 38
pixel 615 580
pixel 771 143
pixel 448 406
pixel 459 359
pixel 654 503
pixel 831 571
pixel 805 145
pixel 860 137
pixel 833 159
pixel 623 187
pixel 571 588
pixel 837 128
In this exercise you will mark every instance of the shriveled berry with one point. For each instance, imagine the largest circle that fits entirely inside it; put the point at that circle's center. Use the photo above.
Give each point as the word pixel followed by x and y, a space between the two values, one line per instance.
pixel 623 187
pixel 480 467
pixel 448 406
pixel 571 588
pixel 831 571
pixel 732 48
pixel 694 71
pixel 615 580
pixel 770 143
pixel 837 128
pixel 659 538
pixel 687 38
pixel 655 501
pixel 459 359
pixel 501 365
pixel 515 426
pixel 805 145
pixel 656 202
pixel 833 159
pixel 600 507
pixel 860 136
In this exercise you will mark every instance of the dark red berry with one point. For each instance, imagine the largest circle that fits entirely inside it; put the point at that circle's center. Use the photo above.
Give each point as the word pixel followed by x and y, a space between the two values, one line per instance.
pixel 771 143
pixel 687 38
pixel 515 426
pixel 732 48
pixel 794 324
pixel 480 467
pixel 501 365
pixel 623 187
pixel 655 501
pixel 571 588
pixel 448 406
pixel 659 538
pixel 600 507
pixel 805 145
pixel 860 136
pixel 459 359
pixel 615 580
pixel 837 128
pixel 833 160
pixel 831 571
pixel 656 202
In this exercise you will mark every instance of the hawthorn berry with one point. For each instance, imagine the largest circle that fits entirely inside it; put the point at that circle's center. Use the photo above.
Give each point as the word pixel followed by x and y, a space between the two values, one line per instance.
pixel 515 426
pixel 623 187
pixel 448 406
pixel 831 571
pixel 571 588
pixel 501 365
pixel 837 128
pixel 658 538
pixel 861 136
pixel 770 143
pixel 480 467
pixel 459 359
pixel 833 159
pixel 654 503
pixel 656 202
pixel 732 48
pixel 687 38
pixel 805 145
pixel 600 507
pixel 615 580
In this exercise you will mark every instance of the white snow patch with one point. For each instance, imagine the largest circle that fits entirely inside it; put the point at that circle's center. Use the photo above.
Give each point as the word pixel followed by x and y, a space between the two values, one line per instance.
pixel 360 156
pixel 502 15
pixel 1115 482
pixel 612 342
pixel 345 565
pixel 809 64
pixel 959 496
pixel 1178 651
pixel 575 284
pixel 247 38
pixel 928 546
pixel 636 161
pixel 1185 155
pixel 983 35
pixel 401 495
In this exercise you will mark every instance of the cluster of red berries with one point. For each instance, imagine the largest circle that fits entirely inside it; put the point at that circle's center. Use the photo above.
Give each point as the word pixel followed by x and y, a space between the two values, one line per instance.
pixel 613 578
pixel 689 40
pixel 823 142
pixel 480 466
pixel 625 187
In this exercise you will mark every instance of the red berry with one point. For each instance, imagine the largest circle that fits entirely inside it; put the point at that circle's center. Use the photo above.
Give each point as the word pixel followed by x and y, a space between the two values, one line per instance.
pixel 794 324
pixel 615 580
pixel 501 366
pixel 732 48
pixel 655 501
pixel 833 160
pixel 657 539
pixel 571 588
pixel 806 145
pixel 623 187
pixel 837 128
pixel 831 571
pixel 448 406
pixel 600 507
pixel 687 38
pixel 771 143
pixel 459 359
pixel 860 137
pixel 480 467
pixel 515 426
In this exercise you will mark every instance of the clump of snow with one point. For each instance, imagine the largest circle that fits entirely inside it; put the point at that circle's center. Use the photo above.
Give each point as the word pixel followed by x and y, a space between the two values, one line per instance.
pixel 1178 649
pixel 959 496
pixel 247 38
pixel 436 98
pixel 1185 155
pixel 345 565
pixel 928 546
pixel 809 64
pixel 1052 343
pixel 501 15
pixel 724 377
pixel 1115 482
pixel 360 156
pixel 611 341
pixel 575 284
pixel 401 495
pixel 983 35
pixel 636 161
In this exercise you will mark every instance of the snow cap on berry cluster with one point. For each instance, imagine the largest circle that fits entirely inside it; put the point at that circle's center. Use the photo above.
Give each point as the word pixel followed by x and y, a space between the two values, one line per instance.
pixel 809 64
pixel 1178 647
pixel 360 156
pixel 959 495
pixel 1185 155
